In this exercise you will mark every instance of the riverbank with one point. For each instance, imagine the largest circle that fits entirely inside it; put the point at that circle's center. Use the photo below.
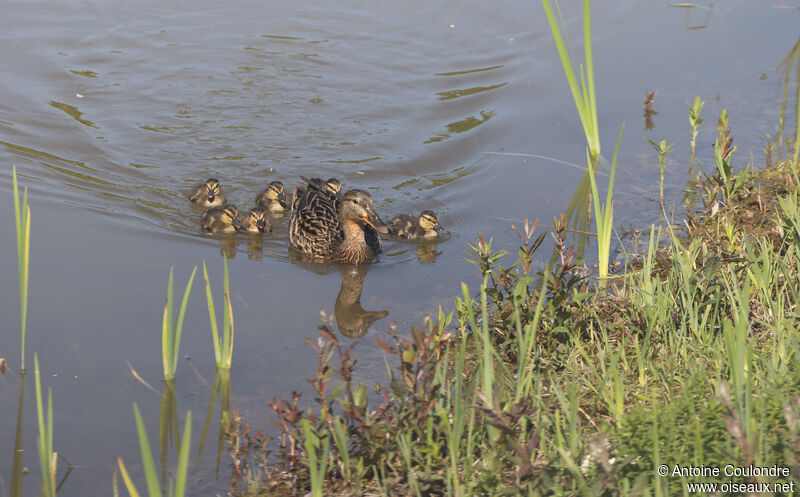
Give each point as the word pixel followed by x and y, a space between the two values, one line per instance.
pixel 541 384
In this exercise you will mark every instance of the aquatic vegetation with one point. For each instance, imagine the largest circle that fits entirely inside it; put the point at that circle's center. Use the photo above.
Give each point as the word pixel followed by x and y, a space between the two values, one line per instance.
pixel 223 349
pixel 22 220
pixel 48 459
pixel 171 331
pixel 663 149
pixel 176 488
pixel 604 213
pixel 540 384
pixel 583 89
pixel 695 108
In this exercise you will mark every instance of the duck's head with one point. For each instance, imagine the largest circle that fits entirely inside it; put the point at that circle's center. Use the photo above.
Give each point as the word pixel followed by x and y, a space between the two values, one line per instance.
pixel 333 185
pixel 275 191
pixel 230 215
pixel 212 189
pixel 428 221
pixel 357 207
pixel 257 221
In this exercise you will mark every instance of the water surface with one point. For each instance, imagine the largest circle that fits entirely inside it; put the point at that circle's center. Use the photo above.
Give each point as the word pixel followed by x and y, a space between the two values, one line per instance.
pixel 111 113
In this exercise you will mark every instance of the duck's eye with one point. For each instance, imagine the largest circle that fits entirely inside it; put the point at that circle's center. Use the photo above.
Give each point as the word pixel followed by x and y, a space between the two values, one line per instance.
pixel 355 201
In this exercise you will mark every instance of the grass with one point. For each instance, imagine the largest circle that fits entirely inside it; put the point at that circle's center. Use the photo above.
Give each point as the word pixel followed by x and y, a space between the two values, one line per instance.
pixel 22 220
pixel 537 385
pixel 223 348
pixel 171 331
pixel 581 87
pixel 604 213
pixel 176 488
pixel 48 459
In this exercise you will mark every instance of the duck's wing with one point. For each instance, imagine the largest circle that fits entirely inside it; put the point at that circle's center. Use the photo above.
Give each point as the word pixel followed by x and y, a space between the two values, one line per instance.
pixel 314 227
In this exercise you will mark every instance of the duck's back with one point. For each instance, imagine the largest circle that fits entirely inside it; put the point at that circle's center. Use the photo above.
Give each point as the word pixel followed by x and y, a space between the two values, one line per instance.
pixel 314 228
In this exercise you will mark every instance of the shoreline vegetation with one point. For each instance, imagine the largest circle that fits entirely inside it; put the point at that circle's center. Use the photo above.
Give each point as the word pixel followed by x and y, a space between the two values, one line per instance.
pixel 684 355
pixel 542 384
pixel 550 384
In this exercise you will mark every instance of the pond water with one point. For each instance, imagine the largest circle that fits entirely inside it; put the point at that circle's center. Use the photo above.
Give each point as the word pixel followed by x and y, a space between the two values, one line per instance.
pixel 111 113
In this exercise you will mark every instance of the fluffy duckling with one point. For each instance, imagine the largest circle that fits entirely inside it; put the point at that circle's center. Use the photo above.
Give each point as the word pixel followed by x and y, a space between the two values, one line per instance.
pixel 256 221
pixel 208 194
pixel 221 220
pixel 426 227
pixel 333 185
pixel 273 199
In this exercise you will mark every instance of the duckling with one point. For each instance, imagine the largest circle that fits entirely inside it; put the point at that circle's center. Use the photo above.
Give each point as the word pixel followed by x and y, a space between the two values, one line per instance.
pixel 342 229
pixel 208 194
pixel 255 222
pixel 273 199
pixel 333 185
pixel 221 219
pixel 426 227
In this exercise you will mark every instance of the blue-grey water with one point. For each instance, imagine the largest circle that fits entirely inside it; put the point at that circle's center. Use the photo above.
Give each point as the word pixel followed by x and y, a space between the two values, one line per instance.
pixel 112 112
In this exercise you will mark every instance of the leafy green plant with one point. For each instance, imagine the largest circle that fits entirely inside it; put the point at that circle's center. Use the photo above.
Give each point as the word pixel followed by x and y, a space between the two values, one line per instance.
pixel 171 331
pixel 22 221
pixel 695 108
pixel 663 149
pixel 582 89
pixel 723 152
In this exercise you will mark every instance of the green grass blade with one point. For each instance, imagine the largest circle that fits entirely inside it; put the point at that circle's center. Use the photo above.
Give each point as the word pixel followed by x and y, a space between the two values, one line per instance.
pixel 167 344
pixel 183 457
pixel 45 440
pixel 212 316
pixel 22 220
pixel 147 456
pixel 227 318
pixel 590 95
pixel 179 325
pixel 127 479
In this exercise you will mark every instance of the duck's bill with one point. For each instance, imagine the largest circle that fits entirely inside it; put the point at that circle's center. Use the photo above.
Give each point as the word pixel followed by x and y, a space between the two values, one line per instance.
pixel 373 220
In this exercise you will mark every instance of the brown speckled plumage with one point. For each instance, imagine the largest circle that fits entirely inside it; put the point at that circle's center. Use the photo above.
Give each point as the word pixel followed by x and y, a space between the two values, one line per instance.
pixel 342 229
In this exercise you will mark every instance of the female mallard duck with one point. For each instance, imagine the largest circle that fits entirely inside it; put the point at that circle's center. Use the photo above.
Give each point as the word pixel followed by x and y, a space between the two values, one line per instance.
pixel 273 199
pixel 426 227
pixel 339 229
pixel 220 219
pixel 256 221
pixel 208 194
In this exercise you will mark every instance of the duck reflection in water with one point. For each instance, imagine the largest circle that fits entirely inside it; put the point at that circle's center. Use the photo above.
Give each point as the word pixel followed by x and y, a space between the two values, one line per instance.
pixel 352 319
pixel 427 253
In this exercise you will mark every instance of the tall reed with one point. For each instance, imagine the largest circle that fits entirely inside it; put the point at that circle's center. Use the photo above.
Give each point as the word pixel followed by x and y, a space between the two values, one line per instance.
pixel 583 89
pixel 223 349
pixel 22 220
pixel 170 331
